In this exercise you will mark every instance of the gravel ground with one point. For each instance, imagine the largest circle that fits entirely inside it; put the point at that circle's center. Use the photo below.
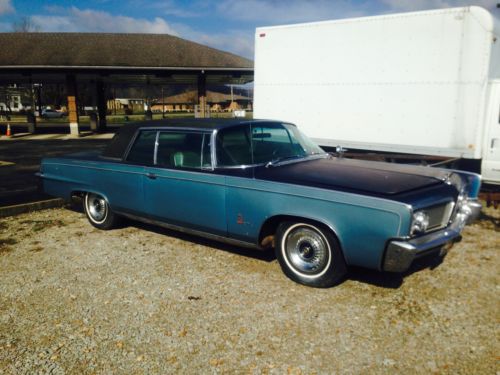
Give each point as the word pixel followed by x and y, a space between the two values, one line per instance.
pixel 140 299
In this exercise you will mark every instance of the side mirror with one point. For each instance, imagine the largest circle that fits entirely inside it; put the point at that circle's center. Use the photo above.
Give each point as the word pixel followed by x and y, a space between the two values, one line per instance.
pixel 340 150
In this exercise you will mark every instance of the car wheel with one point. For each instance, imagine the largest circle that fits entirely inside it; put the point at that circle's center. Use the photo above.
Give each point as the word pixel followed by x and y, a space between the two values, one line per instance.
pixel 309 254
pixel 98 211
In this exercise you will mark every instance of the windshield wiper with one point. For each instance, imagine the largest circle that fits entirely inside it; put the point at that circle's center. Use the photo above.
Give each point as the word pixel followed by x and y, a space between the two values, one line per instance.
pixel 278 161
pixel 281 159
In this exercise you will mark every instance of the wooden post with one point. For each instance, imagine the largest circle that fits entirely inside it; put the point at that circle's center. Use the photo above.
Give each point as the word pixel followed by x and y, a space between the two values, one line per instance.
pixel 71 91
pixel 202 94
pixel 162 103
pixel 39 99
pixel 31 121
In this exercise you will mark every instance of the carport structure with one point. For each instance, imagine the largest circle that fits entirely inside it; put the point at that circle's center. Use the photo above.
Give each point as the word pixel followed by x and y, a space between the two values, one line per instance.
pixel 99 59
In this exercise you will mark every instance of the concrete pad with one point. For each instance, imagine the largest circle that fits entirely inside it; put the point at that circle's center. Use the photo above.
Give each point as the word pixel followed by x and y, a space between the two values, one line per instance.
pixel 18 182
pixel 29 207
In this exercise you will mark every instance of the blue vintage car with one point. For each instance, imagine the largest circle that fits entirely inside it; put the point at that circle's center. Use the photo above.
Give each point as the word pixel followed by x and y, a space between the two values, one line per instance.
pixel 263 184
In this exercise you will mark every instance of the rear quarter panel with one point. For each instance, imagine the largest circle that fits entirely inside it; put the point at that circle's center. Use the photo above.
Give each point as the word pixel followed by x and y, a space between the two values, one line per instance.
pixel 120 184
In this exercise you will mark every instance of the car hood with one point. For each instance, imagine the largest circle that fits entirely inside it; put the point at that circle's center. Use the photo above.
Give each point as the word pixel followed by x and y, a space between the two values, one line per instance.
pixel 359 176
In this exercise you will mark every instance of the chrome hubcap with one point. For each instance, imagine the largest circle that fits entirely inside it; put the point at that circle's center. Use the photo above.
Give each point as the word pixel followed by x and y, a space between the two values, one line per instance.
pixel 97 207
pixel 307 250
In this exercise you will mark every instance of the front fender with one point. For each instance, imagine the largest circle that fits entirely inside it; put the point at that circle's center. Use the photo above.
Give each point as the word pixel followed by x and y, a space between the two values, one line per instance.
pixel 362 224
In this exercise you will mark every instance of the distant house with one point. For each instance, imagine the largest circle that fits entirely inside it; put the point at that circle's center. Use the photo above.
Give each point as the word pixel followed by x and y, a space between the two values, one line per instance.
pixel 186 102
pixel 11 99
pixel 14 104
pixel 130 105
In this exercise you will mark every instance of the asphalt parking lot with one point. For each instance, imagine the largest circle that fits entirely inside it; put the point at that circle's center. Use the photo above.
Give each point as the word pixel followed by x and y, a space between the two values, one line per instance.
pixel 140 299
pixel 20 159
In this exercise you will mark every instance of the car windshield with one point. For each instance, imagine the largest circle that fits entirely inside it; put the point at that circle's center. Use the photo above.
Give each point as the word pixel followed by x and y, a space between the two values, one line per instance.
pixel 263 143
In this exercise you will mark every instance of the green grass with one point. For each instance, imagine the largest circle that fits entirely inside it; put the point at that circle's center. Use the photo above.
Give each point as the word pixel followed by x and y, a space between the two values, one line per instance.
pixel 116 119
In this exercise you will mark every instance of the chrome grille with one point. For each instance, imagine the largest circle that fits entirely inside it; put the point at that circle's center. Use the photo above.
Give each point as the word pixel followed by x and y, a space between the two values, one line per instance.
pixel 439 216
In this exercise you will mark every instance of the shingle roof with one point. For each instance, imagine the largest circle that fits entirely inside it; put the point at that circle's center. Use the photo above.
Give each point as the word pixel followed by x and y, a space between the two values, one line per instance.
pixel 112 50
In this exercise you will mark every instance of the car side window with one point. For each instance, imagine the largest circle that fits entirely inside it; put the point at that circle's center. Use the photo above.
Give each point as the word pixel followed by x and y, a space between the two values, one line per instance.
pixel 234 147
pixel 272 141
pixel 182 150
pixel 142 151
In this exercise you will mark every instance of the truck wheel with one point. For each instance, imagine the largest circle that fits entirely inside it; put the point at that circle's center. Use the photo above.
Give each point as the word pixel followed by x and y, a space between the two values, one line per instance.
pixel 309 254
pixel 98 211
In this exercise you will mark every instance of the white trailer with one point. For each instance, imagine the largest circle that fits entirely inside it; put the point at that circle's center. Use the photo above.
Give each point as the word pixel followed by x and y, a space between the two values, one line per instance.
pixel 424 83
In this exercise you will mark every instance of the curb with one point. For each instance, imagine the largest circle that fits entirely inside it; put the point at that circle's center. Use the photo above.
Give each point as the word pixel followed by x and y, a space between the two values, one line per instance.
pixel 29 207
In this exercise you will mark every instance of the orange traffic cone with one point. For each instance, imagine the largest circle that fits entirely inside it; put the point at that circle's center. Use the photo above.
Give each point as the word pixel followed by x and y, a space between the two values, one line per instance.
pixel 9 133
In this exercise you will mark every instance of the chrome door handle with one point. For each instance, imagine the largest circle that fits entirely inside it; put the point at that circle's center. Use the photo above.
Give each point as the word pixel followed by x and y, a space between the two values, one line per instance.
pixel 151 176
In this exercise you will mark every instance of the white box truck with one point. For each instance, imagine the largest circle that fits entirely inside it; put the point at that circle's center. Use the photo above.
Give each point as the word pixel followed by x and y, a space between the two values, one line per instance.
pixel 424 83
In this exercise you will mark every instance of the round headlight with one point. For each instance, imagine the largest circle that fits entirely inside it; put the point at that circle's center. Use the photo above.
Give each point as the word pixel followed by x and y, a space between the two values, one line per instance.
pixel 420 222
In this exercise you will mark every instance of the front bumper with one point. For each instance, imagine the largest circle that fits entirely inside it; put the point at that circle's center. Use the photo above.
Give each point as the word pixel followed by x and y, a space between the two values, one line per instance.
pixel 399 254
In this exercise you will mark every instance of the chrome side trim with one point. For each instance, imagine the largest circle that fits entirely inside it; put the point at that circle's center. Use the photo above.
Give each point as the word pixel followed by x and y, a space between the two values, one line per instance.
pixel 195 171
pixel 155 155
pixel 212 148
pixel 187 179
pixel 349 194
pixel 202 150
pixel 212 166
pixel 374 206
pixel 100 169
pixel 211 236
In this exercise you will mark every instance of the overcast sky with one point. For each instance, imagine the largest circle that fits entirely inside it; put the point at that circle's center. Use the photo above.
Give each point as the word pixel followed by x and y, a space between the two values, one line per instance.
pixel 224 24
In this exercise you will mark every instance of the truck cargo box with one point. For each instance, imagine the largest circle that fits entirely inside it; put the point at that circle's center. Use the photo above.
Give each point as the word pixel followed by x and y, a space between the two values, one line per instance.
pixel 420 82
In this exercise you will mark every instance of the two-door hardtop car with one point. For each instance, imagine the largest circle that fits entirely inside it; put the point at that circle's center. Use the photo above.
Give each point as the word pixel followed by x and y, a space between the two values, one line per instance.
pixel 264 184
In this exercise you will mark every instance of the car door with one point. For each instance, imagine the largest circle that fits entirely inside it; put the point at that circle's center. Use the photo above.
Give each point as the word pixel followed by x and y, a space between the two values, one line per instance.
pixel 122 182
pixel 235 162
pixel 181 187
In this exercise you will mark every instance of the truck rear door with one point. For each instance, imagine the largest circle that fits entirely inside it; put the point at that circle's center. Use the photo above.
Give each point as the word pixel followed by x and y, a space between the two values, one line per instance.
pixel 490 168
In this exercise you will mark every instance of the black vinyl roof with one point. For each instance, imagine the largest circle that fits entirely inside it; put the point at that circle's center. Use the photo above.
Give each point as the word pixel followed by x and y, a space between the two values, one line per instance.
pixel 122 138
pixel 201 123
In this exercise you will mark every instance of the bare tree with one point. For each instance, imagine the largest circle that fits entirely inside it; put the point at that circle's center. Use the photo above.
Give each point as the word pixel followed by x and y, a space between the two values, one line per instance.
pixel 25 25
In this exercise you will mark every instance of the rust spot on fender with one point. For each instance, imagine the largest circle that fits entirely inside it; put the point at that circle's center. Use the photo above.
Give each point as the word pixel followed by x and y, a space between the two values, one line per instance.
pixel 240 220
